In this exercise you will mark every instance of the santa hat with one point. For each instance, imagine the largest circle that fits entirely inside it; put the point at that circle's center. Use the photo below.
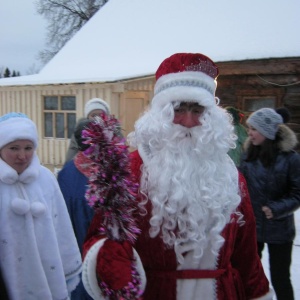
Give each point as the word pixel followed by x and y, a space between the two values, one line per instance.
pixel 186 77
pixel 17 126
pixel 96 103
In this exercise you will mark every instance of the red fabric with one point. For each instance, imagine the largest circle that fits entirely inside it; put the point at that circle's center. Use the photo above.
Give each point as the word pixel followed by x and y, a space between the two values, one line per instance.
pixel 83 164
pixel 244 277
pixel 93 235
pixel 114 264
pixel 181 62
pixel 242 273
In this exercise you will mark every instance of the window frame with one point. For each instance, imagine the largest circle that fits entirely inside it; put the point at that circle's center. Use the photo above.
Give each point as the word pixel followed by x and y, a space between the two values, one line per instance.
pixel 260 103
pixel 243 96
pixel 65 114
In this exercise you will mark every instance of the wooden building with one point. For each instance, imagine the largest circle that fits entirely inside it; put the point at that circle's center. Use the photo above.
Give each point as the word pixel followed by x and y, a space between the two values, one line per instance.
pixel 55 109
pixel 115 55
pixel 247 85
pixel 253 84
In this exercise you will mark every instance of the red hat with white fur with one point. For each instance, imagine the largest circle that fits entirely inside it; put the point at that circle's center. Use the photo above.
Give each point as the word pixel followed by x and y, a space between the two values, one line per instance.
pixel 186 77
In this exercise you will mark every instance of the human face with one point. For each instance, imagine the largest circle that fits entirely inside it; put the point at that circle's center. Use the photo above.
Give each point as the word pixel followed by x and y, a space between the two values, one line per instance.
pixel 256 137
pixel 95 113
pixel 18 154
pixel 187 114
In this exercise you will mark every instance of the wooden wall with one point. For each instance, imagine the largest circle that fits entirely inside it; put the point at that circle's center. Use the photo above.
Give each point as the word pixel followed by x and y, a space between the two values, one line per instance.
pixel 238 83
pixel 242 81
pixel 127 100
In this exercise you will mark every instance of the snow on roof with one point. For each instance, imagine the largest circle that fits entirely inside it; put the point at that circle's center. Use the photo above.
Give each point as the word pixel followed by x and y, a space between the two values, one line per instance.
pixel 127 39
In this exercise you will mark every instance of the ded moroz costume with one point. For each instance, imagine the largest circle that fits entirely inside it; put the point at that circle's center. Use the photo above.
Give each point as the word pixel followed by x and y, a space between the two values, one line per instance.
pixel 196 237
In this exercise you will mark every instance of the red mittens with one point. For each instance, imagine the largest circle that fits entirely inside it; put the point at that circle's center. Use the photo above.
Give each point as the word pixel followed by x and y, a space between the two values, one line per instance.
pixel 114 263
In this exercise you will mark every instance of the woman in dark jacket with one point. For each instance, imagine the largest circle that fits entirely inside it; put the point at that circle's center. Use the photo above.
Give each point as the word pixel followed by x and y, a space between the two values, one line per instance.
pixel 272 171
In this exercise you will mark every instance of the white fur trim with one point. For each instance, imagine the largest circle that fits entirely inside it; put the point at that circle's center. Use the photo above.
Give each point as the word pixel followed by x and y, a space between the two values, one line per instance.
pixel 206 287
pixel 269 296
pixel 17 128
pixel 185 86
pixel 72 283
pixel 10 176
pixel 89 278
pixel 140 270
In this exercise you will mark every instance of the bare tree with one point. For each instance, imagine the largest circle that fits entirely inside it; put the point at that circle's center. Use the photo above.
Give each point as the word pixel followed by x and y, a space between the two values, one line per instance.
pixel 65 18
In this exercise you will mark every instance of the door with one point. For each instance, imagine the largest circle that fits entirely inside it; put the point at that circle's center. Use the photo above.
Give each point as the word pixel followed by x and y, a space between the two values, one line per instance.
pixel 132 105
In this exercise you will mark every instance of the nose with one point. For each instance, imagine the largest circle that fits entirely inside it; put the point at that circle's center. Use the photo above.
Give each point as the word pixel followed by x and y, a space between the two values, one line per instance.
pixel 188 119
pixel 249 132
pixel 22 155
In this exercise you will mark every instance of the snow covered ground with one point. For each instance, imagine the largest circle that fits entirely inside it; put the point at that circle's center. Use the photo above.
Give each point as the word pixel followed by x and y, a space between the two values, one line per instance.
pixel 295 268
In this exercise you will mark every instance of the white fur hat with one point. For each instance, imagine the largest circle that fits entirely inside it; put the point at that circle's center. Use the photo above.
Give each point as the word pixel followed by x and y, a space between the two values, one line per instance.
pixel 96 103
pixel 17 126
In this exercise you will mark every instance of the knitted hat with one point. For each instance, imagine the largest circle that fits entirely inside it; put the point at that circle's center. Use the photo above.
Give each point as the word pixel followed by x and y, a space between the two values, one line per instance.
pixel 265 121
pixel 186 77
pixel 96 103
pixel 17 126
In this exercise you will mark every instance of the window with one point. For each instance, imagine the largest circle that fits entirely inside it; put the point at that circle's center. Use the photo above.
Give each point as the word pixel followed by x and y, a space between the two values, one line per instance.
pixel 59 116
pixel 254 103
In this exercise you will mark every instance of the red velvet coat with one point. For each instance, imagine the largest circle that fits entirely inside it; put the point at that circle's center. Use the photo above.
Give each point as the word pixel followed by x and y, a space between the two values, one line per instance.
pixel 239 276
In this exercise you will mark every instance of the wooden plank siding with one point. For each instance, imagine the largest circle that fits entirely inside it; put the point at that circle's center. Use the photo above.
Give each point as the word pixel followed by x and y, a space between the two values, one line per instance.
pixel 239 84
pixel 29 100
pixel 278 79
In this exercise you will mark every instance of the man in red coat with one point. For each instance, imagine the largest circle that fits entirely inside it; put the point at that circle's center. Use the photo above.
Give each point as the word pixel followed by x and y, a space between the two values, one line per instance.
pixel 197 237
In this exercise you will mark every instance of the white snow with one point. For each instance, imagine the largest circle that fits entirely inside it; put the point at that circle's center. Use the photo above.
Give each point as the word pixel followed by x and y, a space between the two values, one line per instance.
pixel 128 39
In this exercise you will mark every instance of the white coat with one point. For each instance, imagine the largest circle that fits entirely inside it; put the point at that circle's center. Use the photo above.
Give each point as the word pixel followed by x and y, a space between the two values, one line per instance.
pixel 39 256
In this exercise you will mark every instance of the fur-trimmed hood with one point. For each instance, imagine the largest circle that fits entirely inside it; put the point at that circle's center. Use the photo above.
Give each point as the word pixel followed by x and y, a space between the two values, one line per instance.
pixel 288 140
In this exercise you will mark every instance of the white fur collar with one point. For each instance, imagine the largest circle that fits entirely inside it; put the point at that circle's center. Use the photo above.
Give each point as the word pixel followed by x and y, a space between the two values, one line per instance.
pixel 9 175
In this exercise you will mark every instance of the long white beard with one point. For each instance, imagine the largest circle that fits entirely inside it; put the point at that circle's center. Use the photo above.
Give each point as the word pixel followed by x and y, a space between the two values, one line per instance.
pixel 193 188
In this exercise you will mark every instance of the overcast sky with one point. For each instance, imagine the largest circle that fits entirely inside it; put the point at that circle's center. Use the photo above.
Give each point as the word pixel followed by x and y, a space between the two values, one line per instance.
pixel 22 35
pixel 121 41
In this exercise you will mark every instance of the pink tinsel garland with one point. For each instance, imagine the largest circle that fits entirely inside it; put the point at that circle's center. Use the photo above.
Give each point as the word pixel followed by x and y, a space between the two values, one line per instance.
pixel 110 188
